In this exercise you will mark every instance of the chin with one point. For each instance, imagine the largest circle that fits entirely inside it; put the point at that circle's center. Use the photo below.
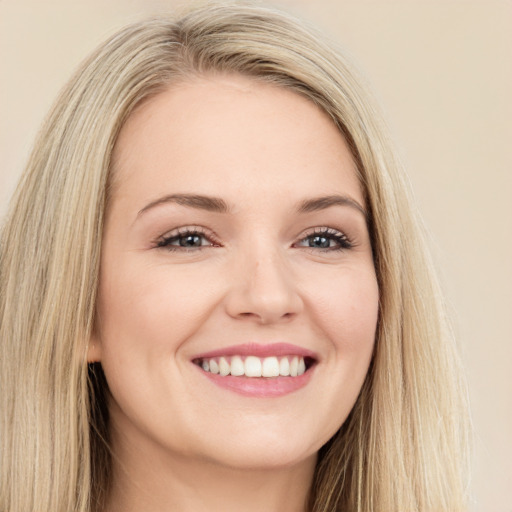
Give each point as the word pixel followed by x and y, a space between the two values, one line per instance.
pixel 265 449
pixel 264 459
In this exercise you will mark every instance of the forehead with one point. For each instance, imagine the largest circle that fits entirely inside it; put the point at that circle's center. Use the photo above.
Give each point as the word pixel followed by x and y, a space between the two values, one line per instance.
pixel 225 134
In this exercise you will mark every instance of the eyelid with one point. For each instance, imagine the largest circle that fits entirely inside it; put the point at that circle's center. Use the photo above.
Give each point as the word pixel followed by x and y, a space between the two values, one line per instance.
pixel 164 240
pixel 340 237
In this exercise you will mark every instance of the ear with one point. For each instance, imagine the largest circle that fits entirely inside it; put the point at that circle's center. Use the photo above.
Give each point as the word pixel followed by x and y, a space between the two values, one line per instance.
pixel 94 349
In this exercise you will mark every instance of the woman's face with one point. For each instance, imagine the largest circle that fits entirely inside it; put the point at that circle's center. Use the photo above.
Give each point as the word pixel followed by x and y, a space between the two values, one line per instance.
pixel 235 241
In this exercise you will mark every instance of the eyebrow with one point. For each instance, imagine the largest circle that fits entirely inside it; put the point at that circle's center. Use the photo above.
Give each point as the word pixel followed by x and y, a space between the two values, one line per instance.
pixel 215 204
pixel 324 202
pixel 208 203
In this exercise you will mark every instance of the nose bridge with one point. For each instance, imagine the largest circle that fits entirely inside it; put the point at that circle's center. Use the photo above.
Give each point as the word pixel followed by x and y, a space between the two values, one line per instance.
pixel 268 273
pixel 264 287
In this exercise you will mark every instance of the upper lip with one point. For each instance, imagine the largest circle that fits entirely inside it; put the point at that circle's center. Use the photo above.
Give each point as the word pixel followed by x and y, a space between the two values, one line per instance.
pixel 259 350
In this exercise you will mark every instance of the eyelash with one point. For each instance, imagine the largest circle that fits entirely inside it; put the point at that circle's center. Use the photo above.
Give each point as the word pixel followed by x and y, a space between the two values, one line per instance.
pixel 342 240
pixel 167 241
pixel 330 234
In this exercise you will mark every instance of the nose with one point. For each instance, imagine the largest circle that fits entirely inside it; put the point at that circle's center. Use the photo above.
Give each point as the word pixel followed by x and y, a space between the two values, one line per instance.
pixel 263 289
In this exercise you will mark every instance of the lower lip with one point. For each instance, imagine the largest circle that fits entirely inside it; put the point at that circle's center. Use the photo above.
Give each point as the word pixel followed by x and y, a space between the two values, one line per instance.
pixel 260 387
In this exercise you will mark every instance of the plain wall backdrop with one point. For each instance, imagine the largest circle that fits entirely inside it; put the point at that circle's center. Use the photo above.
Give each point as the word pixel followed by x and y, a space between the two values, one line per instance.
pixel 442 70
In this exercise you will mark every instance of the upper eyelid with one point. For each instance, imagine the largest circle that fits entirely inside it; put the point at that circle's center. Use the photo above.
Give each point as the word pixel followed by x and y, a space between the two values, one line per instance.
pixel 322 230
pixel 183 230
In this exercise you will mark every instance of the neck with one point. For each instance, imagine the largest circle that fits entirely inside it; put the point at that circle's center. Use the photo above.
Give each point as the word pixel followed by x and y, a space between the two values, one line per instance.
pixel 168 484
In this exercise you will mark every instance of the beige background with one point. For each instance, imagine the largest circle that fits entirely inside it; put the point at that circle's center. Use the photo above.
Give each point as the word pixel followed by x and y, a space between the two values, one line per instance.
pixel 443 73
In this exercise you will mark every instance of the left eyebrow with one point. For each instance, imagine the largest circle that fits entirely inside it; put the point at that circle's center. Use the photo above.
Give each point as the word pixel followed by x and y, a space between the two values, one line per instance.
pixel 211 204
pixel 324 202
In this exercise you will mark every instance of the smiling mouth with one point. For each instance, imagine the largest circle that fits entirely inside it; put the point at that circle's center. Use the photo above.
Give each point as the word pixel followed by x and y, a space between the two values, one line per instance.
pixel 256 367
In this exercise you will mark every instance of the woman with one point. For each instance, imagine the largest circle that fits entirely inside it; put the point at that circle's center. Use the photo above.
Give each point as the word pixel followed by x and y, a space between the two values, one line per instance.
pixel 215 294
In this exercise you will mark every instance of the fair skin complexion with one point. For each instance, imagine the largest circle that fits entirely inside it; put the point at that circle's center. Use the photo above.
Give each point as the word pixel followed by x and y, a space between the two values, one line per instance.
pixel 236 229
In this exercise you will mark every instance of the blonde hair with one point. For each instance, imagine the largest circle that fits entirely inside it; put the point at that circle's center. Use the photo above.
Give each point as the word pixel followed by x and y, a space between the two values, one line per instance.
pixel 403 447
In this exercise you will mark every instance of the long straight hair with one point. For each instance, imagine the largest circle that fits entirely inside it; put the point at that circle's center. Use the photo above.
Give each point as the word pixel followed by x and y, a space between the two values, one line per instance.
pixel 404 445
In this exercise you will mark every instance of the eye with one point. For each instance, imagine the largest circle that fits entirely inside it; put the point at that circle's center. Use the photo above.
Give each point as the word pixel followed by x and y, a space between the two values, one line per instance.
pixel 325 239
pixel 186 239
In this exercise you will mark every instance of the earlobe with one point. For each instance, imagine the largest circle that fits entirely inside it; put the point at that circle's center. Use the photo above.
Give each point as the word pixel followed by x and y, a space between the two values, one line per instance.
pixel 94 350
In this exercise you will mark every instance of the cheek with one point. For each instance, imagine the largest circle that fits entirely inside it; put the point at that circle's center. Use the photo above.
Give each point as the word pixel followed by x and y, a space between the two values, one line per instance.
pixel 144 321
pixel 346 308
pixel 152 311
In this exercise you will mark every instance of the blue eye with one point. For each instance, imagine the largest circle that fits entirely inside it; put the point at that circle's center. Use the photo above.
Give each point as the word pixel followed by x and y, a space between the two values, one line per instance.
pixel 325 239
pixel 185 239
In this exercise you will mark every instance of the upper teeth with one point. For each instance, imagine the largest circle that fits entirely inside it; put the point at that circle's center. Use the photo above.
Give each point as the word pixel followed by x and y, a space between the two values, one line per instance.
pixel 252 366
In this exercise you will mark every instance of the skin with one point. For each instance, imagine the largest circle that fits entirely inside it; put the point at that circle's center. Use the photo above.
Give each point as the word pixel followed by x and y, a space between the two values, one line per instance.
pixel 180 441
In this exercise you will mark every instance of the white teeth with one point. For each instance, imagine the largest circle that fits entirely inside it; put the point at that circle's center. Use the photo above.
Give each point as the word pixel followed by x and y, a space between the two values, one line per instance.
pixel 224 367
pixel 284 367
pixel 253 366
pixel 294 364
pixel 214 366
pixel 302 366
pixel 270 367
pixel 237 366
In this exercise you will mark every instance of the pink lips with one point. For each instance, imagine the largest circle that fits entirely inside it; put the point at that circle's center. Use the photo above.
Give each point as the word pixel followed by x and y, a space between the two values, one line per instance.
pixel 254 349
pixel 261 387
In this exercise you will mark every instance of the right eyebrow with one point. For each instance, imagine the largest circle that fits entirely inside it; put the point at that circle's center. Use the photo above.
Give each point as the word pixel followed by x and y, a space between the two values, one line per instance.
pixel 324 202
pixel 208 203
